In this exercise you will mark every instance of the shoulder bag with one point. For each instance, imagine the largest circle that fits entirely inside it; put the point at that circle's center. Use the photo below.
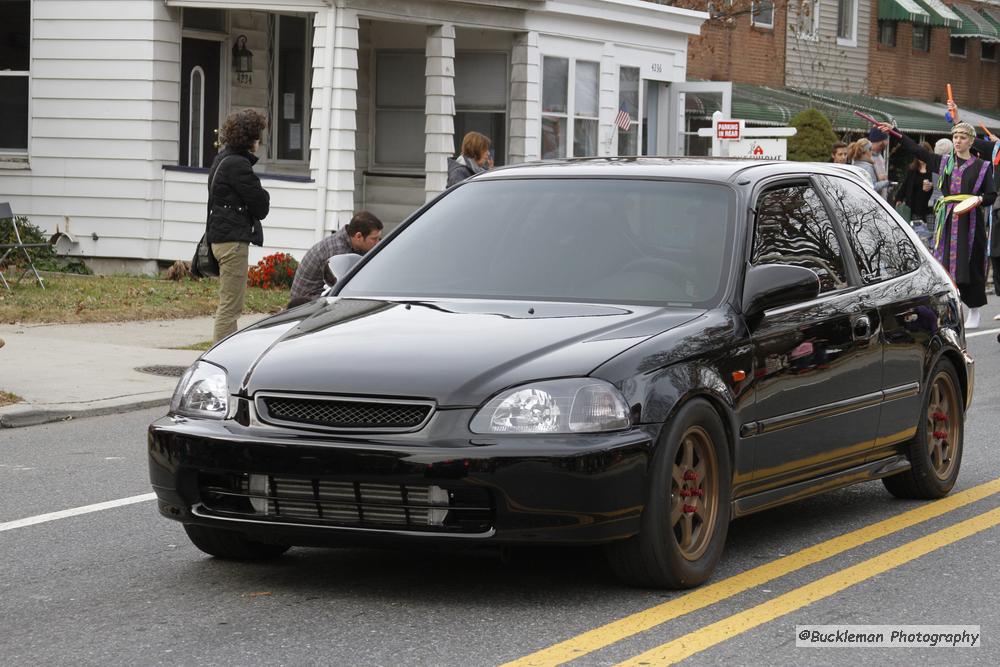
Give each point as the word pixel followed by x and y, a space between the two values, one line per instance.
pixel 204 264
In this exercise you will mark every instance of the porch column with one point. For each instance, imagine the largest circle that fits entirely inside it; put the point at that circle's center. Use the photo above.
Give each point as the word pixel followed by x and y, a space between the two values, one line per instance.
pixel 525 100
pixel 439 107
pixel 334 123
pixel 607 130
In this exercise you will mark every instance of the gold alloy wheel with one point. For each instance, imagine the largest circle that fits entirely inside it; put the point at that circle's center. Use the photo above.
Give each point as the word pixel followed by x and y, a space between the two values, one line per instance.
pixel 943 415
pixel 694 493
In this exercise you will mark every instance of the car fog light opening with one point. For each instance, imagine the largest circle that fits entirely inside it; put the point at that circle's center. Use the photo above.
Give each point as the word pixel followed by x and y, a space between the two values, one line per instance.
pixel 437 496
pixel 575 405
pixel 258 493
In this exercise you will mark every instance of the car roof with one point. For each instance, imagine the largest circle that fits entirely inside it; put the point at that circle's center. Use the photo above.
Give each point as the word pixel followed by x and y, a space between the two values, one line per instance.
pixel 687 168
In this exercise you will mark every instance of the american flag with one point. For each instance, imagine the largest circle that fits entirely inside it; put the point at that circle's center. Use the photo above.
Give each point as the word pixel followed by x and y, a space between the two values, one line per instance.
pixel 623 120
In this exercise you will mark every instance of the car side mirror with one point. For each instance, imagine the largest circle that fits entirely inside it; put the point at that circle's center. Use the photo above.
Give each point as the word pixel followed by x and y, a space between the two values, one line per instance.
pixel 774 285
pixel 338 266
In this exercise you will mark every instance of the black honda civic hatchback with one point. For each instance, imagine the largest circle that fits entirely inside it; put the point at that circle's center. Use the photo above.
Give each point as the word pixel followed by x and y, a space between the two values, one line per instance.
pixel 625 352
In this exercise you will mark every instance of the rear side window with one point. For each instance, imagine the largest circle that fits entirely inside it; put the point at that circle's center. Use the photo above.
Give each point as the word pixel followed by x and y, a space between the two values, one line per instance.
pixel 793 228
pixel 881 248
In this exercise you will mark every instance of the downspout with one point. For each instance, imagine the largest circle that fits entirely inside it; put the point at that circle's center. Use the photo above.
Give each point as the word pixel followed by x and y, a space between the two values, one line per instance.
pixel 323 177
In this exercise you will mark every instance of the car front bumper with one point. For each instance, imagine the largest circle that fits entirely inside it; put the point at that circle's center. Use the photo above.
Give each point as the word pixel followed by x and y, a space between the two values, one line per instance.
pixel 299 488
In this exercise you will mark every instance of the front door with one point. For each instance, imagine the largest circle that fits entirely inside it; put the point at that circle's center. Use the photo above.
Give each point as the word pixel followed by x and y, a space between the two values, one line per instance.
pixel 199 101
pixel 818 365
pixel 680 136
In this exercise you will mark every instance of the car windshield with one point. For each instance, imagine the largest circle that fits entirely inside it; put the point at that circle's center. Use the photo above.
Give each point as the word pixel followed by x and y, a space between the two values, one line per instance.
pixel 609 240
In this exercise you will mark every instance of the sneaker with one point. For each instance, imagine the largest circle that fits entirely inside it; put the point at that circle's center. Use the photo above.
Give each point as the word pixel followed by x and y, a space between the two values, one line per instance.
pixel 972 321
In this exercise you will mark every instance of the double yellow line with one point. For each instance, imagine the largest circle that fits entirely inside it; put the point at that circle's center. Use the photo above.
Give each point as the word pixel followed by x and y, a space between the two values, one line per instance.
pixel 700 598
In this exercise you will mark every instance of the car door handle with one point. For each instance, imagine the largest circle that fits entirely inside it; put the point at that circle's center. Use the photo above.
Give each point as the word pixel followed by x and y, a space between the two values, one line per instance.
pixel 862 328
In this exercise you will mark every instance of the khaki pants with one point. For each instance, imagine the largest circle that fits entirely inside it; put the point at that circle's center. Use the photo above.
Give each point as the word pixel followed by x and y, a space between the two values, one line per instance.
pixel 233 259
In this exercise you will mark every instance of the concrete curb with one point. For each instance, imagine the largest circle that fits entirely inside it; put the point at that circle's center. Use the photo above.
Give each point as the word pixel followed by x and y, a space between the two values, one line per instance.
pixel 28 414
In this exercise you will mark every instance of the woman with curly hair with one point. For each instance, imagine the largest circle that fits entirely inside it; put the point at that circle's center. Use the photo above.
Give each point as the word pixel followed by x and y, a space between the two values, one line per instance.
pixel 236 204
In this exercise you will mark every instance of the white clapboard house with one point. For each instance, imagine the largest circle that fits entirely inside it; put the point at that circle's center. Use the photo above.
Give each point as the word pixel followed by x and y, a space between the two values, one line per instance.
pixel 108 108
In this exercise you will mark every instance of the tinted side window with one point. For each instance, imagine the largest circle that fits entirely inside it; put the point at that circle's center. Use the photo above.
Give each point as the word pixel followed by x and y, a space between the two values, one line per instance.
pixel 881 248
pixel 794 228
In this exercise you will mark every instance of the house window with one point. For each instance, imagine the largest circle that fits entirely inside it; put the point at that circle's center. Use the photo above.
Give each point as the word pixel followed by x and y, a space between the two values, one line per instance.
pixel 569 113
pixel 399 109
pixel 807 21
pixel 957 47
pixel 989 52
pixel 291 86
pixel 762 13
pixel 629 101
pixel 481 87
pixel 15 58
pixel 587 77
pixel 922 38
pixel 847 22
pixel 887 33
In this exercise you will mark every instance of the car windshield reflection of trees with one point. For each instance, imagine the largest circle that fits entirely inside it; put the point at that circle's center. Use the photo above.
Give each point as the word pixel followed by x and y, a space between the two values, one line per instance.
pixel 584 240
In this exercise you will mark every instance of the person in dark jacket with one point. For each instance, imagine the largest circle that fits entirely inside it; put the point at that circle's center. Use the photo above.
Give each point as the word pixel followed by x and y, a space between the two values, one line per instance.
pixel 237 203
pixel 475 158
pixel 915 190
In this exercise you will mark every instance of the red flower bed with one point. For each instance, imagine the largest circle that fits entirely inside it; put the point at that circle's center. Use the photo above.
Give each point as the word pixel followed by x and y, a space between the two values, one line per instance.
pixel 273 272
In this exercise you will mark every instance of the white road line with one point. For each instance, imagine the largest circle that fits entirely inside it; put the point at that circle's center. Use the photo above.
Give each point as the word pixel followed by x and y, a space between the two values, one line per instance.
pixel 76 511
pixel 982 333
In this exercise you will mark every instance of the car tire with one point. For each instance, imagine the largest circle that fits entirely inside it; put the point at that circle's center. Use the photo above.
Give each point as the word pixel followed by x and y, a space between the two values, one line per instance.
pixel 686 516
pixel 935 453
pixel 231 545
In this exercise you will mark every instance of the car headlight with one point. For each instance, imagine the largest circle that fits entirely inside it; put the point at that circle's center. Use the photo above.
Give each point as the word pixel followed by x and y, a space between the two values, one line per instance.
pixel 575 405
pixel 202 392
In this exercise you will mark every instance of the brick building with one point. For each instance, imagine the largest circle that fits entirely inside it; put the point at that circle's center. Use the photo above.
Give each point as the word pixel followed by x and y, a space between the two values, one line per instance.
pixel 741 45
pixel 890 57
pixel 914 56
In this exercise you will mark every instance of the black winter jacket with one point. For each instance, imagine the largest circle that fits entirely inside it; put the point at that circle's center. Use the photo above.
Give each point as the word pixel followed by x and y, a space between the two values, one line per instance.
pixel 236 198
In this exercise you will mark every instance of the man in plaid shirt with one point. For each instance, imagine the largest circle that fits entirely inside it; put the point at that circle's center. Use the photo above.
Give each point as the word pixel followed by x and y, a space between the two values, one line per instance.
pixel 358 237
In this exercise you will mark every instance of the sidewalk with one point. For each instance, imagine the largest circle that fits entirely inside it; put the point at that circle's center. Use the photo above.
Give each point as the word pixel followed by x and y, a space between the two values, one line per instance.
pixel 65 371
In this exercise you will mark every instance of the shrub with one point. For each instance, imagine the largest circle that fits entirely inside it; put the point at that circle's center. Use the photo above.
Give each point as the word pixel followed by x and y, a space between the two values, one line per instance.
pixel 273 272
pixel 814 138
pixel 44 259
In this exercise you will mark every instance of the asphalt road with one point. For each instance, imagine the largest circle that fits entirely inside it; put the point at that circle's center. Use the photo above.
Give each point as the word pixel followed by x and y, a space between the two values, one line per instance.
pixel 124 586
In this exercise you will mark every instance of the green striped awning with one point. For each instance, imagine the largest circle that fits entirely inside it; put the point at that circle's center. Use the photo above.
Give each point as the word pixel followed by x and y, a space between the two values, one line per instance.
pixel 760 105
pixel 941 14
pixel 900 113
pixel 974 25
pixel 993 16
pixel 902 10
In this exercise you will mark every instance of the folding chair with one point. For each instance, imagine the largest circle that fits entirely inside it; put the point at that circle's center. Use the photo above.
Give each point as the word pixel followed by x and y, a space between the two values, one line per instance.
pixel 13 248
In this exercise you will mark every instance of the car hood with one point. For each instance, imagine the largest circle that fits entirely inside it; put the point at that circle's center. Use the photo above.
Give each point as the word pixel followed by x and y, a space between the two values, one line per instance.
pixel 455 352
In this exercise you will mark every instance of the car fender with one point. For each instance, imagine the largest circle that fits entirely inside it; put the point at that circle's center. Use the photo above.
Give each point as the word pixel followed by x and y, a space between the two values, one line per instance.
pixel 668 389
pixel 945 344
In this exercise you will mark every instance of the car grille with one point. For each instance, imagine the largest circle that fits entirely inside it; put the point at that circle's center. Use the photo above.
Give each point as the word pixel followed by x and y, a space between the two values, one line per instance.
pixel 343 413
pixel 348 504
